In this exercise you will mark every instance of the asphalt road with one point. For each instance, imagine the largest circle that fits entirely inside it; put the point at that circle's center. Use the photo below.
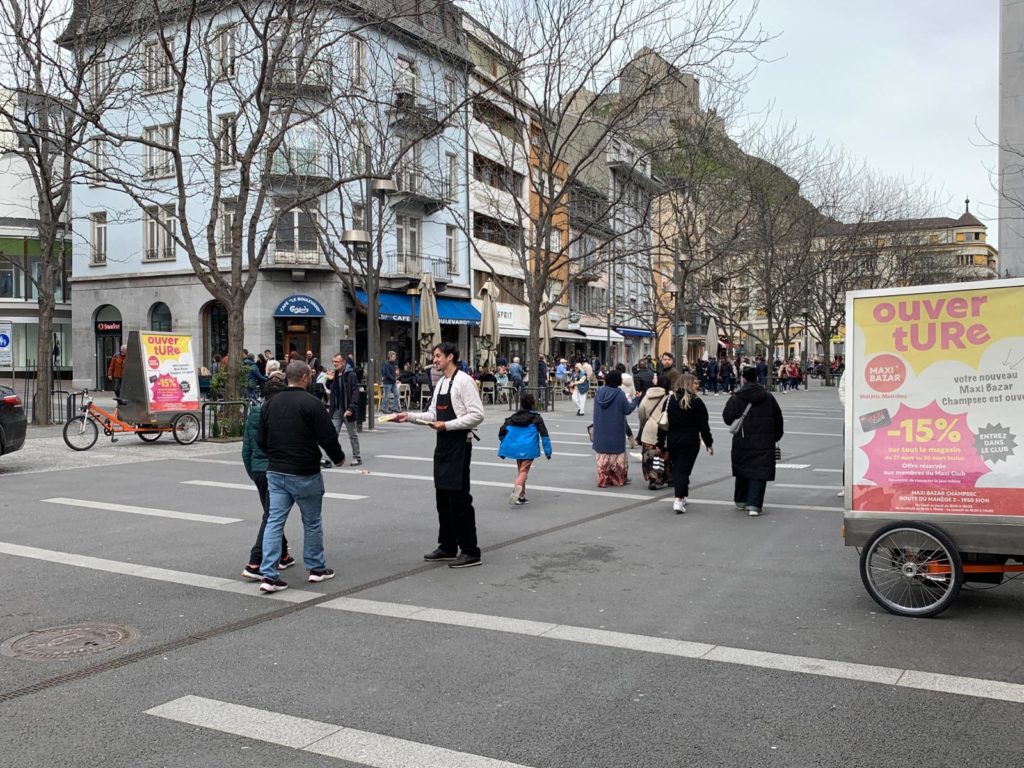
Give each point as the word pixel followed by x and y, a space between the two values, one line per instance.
pixel 602 629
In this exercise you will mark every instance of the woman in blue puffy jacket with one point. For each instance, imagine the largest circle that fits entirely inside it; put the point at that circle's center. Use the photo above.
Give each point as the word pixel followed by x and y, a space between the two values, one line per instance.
pixel 522 436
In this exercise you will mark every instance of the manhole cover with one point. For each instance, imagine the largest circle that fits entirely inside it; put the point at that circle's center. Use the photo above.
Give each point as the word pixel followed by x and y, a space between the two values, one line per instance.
pixel 60 643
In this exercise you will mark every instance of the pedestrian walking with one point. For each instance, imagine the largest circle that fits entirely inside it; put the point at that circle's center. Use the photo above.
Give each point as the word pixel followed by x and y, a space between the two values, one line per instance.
pixel 389 381
pixel 611 407
pixel 343 402
pixel 644 377
pixel 115 369
pixel 455 410
pixel 753 445
pixel 655 462
pixel 631 394
pixel 255 461
pixel 687 429
pixel 523 436
pixel 293 427
pixel 516 375
pixel 579 386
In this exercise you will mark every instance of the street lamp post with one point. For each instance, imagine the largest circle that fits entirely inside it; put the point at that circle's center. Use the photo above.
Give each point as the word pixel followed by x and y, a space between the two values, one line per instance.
pixel 359 241
pixel 678 322
pixel 807 356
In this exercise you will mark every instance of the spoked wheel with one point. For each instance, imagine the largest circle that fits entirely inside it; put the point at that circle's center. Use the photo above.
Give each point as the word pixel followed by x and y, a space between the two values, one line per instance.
pixel 911 569
pixel 81 433
pixel 149 437
pixel 185 428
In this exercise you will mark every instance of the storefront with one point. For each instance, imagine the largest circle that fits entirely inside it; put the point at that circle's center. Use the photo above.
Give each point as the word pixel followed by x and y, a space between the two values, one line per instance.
pixel 109 330
pixel 638 343
pixel 396 313
pixel 297 326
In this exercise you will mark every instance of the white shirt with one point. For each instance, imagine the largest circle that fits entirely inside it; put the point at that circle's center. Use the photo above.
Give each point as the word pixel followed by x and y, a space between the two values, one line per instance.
pixel 466 402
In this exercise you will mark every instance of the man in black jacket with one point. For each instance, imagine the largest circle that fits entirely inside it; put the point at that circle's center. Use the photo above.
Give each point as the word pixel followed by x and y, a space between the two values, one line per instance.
pixel 343 404
pixel 753 447
pixel 643 379
pixel 294 426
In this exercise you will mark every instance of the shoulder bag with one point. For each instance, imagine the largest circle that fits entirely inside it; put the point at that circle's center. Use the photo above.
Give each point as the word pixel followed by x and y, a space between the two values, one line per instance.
pixel 737 425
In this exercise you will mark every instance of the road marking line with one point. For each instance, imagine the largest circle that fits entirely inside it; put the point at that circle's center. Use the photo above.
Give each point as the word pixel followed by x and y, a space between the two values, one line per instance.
pixel 869 673
pixel 808 487
pixel 244 487
pixel 822 469
pixel 155 574
pixel 792 466
pixel 802 507
pixel 568 434
pixel 147 511
pixel 318 738
pixel 495 484
pixel 506 465
pixel 237 463
pixel 809 434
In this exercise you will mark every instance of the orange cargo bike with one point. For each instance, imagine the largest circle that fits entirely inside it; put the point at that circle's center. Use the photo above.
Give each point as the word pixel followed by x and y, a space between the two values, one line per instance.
pixel 82 432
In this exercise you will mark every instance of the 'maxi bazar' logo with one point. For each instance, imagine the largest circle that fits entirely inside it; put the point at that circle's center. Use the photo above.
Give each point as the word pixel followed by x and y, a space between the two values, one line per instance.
pixel 885 373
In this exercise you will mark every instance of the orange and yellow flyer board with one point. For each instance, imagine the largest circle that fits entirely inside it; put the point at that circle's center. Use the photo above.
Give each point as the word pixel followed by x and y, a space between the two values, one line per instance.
pixel 170 371
pixel 936 399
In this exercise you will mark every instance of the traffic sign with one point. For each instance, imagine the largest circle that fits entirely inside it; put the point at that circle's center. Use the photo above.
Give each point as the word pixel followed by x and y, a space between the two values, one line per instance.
pixel 6 345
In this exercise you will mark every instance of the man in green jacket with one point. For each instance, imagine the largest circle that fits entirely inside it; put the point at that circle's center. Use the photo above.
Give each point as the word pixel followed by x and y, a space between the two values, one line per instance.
pixel 256 467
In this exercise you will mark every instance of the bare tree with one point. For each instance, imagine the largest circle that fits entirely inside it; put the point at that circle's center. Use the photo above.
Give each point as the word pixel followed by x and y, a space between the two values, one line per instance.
pixel 577 98
pixel 41 84
pixel 226 105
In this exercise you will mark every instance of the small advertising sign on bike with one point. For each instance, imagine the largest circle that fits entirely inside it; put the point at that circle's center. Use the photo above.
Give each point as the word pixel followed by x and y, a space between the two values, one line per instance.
pixel 170 372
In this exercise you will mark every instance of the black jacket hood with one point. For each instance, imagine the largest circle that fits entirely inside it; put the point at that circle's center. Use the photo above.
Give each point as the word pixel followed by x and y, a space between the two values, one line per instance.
pixel 751 393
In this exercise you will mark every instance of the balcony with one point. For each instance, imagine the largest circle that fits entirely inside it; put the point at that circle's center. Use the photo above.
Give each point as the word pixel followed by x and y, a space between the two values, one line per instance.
pixel 298 166
pixel 433 191
pixel 298 79
pixel 402 269
pixel 165 253
pixel 586 270
pixel 409 113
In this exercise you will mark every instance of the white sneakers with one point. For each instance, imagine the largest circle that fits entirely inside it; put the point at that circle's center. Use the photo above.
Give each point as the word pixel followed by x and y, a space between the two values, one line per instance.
pixel 679 506
pixel 753 511
pixel 513 498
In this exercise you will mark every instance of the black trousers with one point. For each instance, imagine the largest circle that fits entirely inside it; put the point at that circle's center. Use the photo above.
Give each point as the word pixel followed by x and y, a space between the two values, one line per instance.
pixel 456 522
pixel 683 459
pixel 259 479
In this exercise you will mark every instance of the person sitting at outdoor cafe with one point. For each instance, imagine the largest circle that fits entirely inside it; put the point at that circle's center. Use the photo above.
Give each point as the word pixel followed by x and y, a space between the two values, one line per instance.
pixel 485 375
pixel 502 377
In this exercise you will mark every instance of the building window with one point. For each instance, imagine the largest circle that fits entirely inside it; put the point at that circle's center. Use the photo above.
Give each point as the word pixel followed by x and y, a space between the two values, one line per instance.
pixel 295 240
pixel 959 237
pixel 157 67
pixel 98 238
pixel 407 234
pixel 222 53
pixel 227 226
pixel 160 318
pixel 358 216
pixel 497 232
pixel 158 160
pixel 360 149
pixel 97 161
pixel 451 94
pixel 451 246
pixel 357 62
pixel 933 239
pixel 409 170
pixel 452 182
pixel 405 77
pixel 496 175
pixel 227 141
pixel 10 280
pixel 159 226
pixel 98 74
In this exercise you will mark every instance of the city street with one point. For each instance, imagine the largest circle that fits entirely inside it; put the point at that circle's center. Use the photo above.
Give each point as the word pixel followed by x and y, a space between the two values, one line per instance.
pixel 601 631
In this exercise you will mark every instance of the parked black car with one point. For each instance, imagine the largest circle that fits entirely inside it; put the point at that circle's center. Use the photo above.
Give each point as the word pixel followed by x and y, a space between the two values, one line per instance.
pixel 13 421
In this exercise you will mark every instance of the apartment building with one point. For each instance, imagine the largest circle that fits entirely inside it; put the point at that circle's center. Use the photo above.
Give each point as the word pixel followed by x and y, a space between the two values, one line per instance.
pixel 375 93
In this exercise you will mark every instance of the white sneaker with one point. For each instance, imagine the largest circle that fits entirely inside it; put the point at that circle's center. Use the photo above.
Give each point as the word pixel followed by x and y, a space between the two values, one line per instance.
pixel 513 498
pixel 679 506
pixel 840 494
pixel 636 456
pixel 753 511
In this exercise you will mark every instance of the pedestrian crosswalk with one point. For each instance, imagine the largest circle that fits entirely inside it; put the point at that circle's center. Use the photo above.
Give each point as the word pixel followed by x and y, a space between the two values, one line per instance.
pixel 107 506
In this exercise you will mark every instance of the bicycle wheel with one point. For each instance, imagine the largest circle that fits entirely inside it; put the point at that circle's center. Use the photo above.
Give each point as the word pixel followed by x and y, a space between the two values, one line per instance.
pixel 81 433
pixel 911 569
pixel 149 437
pixel 185 428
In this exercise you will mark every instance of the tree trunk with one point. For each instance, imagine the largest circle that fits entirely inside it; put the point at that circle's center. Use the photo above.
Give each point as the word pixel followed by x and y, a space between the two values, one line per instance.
pixel 236 341
pixel 44 332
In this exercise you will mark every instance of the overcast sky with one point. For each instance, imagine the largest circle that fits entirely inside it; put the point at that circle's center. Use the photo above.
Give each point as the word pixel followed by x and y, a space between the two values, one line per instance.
pixel 910 86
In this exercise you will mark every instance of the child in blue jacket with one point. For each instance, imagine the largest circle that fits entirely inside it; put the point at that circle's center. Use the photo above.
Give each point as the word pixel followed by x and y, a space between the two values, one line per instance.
pixel 522 436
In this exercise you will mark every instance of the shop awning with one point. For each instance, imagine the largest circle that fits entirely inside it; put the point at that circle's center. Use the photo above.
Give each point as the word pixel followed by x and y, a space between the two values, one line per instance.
pixel 600 334
pixel 634 332
pixel 299 305
pixel 396 306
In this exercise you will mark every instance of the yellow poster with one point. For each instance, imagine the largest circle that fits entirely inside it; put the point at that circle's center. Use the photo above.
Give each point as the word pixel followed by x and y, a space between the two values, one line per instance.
pixel 170 370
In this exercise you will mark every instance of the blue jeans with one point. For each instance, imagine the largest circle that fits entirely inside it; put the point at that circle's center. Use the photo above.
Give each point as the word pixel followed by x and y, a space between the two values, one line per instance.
pixel 750 492
pixel 390 390
pixel 285 490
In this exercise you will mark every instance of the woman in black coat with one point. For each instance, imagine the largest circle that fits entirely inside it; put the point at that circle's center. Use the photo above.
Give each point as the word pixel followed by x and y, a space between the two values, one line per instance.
pixel 687 427
pixel 753 447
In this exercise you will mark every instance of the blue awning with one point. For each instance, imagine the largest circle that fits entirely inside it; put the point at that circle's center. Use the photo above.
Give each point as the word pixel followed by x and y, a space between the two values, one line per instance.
pixel 397 306
pixel 633 332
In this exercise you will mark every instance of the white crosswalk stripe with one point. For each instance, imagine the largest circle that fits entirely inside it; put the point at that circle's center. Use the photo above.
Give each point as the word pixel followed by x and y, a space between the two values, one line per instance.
pixel 146 511
pixel 244 487
pixel 359 747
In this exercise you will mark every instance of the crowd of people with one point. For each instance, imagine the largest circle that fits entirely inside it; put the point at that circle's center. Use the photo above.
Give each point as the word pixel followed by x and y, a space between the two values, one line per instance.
pixel 301 410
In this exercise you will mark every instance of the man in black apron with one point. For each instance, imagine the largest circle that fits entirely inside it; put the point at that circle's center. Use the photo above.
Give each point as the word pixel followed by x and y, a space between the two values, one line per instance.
pixel 455 410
